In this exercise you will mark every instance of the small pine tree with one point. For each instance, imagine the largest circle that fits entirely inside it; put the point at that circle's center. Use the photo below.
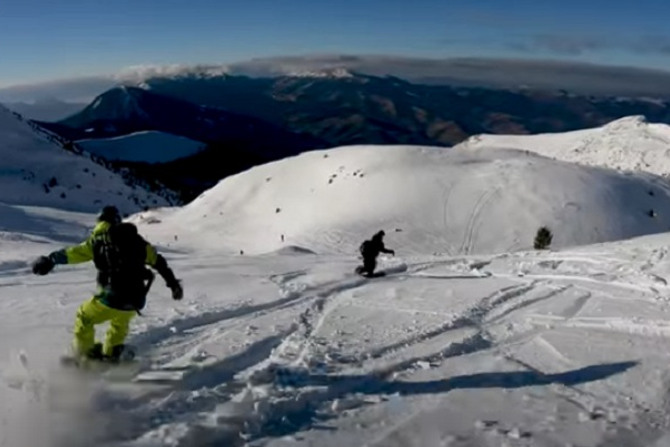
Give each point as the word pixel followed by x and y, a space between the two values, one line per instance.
pixel 543 238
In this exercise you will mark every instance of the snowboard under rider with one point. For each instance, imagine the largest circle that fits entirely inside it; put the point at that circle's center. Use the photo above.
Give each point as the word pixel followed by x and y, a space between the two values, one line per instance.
pixel 120 255
pixel 369 250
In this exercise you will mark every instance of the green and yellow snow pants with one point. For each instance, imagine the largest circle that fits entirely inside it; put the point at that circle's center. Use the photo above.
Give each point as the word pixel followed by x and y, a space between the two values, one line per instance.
pixel 92 313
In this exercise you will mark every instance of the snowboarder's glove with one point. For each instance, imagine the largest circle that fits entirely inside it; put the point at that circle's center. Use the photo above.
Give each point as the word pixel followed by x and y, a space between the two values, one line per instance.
pixel 392 252
pixel 43 265
pixel 177 290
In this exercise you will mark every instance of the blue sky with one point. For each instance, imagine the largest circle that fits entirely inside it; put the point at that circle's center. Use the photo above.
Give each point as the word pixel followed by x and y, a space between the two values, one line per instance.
pixel 50 39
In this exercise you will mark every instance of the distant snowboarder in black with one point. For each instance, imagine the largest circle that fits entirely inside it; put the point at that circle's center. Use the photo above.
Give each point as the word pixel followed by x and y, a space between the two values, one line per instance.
pixel 369 250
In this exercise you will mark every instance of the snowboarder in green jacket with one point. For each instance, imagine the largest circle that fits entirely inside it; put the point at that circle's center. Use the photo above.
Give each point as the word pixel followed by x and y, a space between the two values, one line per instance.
pixel 120 255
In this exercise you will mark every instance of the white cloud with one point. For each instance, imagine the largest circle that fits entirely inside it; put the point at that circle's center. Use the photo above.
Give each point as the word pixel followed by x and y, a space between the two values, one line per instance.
pixel 140 73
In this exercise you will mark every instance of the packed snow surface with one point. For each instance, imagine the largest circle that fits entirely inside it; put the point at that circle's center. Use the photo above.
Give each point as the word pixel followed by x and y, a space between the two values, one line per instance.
pixel 148 147
pixel 627 144
pixel 435 200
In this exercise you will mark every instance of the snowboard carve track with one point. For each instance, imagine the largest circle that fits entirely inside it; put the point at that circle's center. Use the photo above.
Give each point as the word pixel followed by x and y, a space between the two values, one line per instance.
pixel 159 334
pixel 297 411
pixel 291 411
pixel 466 244
pixel 294 349
pixel 578 279
pixel 577 306
pixel 527 303
pixel 237 316
pixel 315 316
pixel 282 278
pixel 473 317
pixel 474 231
pixel 301 407
pixel 445 214
pixel 294 396
pixel 629 326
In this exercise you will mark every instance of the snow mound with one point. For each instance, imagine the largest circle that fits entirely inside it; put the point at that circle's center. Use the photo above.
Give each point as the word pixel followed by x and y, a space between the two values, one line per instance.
pixel 294 250
pixel 36 171
pixel 429 200
pixel 148 147
pixel 628 144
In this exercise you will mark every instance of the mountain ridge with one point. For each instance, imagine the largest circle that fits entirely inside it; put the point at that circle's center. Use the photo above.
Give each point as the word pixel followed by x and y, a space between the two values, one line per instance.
pixel 37 169
pixel 360 108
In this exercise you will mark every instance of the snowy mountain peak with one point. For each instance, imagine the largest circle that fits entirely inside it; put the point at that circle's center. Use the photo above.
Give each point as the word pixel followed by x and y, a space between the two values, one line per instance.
pixel 137 75
pixel 627 123
pixel 140 75
pixel 332 73
pixel 129 105
pixel 627 144
pixel 119 103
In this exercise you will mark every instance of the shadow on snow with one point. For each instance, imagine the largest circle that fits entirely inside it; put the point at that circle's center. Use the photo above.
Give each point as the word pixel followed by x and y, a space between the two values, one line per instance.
pixel 311 413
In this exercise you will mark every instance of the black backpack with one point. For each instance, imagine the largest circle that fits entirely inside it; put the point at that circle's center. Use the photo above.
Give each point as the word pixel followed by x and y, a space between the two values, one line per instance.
pixel 119 254
pixel 365 248
pixel 121 248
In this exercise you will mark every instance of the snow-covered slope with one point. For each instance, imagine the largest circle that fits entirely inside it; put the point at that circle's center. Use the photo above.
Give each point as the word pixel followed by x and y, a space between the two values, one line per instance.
pixel 35 171
pixel 628 144
pixel 427 199
pixel 538 349
pixel 541 348
pixel 149 147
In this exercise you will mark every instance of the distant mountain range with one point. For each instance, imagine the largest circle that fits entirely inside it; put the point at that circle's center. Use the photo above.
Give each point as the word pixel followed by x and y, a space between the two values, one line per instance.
pixel 233 142
pixel 46 109
pixel 255 120
pixel 368 109
pixel 498 73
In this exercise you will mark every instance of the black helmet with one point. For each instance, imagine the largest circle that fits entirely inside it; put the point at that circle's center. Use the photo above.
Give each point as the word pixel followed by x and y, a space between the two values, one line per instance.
pixel 380 234
pixel 110 214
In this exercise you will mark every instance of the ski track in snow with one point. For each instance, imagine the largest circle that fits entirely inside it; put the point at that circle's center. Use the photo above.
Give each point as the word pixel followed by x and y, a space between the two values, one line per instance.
pixel 474 220
pixel 279 370
pixel 276 368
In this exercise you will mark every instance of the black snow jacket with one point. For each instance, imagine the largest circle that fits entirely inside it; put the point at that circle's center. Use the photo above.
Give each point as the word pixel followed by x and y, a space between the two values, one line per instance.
pixel 371 248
